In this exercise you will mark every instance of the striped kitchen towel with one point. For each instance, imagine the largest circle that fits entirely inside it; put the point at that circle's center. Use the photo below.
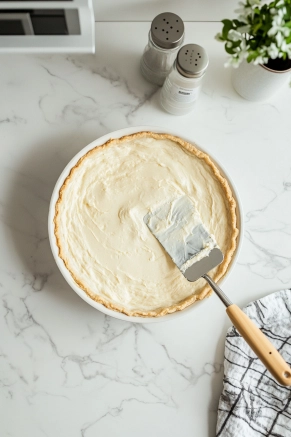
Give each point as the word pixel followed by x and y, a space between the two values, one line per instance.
pixel 252 403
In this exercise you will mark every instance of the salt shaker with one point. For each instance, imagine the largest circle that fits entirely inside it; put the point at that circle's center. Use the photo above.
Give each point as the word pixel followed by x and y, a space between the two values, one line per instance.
pixel 165 38
pixel 181 88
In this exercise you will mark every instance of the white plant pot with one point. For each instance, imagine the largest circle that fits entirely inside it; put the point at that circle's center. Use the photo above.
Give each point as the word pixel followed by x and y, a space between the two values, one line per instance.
pixel 258 82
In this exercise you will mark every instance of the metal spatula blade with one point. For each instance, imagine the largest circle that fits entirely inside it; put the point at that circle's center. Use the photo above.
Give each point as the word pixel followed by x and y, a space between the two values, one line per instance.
pixel 178 227
pixel 200 268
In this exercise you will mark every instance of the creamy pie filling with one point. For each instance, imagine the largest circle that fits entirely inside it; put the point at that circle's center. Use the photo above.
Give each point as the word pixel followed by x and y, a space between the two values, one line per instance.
pixel 103 239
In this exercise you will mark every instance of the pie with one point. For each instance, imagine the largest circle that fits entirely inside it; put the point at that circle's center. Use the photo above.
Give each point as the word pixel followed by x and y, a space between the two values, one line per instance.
pixel 101 235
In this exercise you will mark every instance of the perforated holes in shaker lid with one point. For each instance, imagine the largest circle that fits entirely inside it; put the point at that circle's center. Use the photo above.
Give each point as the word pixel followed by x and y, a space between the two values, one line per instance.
pixel 192 60
pixel 167 30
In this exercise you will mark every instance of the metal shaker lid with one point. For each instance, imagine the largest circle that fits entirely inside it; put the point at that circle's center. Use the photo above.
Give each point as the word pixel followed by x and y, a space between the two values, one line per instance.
pixel 192 60
pixel 167 30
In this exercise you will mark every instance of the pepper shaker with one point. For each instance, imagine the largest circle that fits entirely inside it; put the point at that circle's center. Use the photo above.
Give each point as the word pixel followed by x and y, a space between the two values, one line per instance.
pixel 181 88
pixel 165 38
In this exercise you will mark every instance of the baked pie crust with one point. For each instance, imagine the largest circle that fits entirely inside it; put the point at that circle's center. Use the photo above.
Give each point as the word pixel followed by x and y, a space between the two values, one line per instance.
pixel 70 243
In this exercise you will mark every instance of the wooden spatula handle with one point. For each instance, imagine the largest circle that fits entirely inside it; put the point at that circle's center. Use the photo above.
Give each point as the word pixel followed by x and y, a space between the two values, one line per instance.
pixel 260 344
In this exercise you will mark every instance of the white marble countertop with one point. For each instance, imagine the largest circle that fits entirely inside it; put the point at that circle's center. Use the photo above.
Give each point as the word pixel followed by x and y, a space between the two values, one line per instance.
pixel 65 368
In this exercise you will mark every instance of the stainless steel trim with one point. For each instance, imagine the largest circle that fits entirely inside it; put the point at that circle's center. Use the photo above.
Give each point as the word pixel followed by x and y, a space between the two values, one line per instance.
pixel 192 60
pixel 23 17
pixel 167 30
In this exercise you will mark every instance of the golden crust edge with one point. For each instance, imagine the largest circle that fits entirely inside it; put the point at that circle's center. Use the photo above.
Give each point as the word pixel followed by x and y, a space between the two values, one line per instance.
pixel 206 290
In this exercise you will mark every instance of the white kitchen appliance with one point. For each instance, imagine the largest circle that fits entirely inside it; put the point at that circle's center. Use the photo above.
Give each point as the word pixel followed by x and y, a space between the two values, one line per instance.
pixel 54 26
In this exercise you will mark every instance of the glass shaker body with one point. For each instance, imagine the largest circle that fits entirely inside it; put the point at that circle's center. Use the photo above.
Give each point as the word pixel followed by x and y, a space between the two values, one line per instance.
pixel 182 86
pixel 179 93
pixel 165 39
pixel 156 62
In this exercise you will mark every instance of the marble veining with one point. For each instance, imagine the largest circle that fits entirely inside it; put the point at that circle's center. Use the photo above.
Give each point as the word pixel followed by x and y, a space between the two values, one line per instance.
pixel 85 107
pixel 67 369
pixel 264 228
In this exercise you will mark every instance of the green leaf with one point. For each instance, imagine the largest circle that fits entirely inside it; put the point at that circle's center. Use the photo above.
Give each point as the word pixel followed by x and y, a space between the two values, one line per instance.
pixel 227 26
pixel 256 11
pixel 229 50
pixel 252 56
pixel 253 43
pixel 235 44
pixel 256 28
pixel 238 23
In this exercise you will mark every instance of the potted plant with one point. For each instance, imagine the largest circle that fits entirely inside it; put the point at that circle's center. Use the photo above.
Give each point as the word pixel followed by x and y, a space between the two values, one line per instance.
pixel 259 45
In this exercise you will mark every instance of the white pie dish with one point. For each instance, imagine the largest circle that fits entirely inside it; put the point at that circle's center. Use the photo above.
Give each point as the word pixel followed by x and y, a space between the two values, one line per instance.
pixel 55 196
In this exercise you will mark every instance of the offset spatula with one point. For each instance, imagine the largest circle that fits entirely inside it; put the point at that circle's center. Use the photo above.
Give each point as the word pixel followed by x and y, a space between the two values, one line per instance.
pixel 177 226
